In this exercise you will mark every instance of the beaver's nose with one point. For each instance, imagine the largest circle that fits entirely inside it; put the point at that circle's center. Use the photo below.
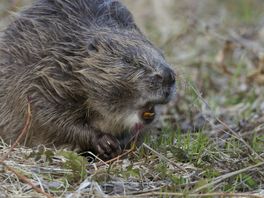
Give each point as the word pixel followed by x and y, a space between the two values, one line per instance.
pixel 168 76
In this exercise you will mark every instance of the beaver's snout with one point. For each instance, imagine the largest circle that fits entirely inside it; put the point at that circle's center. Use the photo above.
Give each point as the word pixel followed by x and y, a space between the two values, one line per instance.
pixel 168 82
pixel 168 77
pixel 165 81
pixel 164 89
pixel 166 85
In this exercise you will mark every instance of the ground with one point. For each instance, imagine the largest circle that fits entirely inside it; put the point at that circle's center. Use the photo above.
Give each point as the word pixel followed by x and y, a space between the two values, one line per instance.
pixel 212 137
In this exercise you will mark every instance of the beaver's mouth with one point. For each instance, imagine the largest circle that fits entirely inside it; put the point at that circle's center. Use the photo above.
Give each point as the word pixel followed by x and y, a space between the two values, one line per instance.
pixel 147 114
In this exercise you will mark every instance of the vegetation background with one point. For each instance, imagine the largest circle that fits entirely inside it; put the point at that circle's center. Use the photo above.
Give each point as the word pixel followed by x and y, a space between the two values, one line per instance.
pixel 212 138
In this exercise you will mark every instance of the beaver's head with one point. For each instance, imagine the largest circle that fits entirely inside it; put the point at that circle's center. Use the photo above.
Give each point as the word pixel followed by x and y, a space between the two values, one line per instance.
pixel 128 77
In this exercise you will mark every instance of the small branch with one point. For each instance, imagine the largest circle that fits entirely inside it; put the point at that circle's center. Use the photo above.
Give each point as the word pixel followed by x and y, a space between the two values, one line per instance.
pixel 115 159
pixel 169 194
pixel 163 157
pixel 228 175
pixel 120 156
pixel 232 132
pixel 22 134
pixel 27 181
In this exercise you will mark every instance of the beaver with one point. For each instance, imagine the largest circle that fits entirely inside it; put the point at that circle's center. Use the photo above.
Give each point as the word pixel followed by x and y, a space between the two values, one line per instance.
pixel 87 71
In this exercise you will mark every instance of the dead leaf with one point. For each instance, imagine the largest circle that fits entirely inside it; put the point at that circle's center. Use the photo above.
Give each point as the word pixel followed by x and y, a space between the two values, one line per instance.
pixel 224 57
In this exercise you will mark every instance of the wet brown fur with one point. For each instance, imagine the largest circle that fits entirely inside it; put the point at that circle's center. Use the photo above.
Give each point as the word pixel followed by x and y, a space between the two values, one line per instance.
pixel 82 64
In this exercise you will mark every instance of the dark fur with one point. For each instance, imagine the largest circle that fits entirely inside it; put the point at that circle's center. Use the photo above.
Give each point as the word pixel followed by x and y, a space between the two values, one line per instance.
pixel 85 67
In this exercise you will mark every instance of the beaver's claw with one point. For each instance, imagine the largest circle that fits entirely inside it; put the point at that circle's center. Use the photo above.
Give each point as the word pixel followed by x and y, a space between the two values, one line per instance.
pixel 107 146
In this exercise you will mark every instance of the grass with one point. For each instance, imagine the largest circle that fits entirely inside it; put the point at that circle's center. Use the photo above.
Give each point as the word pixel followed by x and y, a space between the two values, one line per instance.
pixel 212 140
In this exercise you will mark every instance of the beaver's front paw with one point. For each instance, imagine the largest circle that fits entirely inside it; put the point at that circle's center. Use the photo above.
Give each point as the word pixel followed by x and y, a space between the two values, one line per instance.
pixel 107 146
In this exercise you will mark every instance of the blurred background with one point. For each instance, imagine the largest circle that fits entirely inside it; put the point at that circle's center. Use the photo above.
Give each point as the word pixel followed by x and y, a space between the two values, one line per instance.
pixel 215 46
pixel 215 124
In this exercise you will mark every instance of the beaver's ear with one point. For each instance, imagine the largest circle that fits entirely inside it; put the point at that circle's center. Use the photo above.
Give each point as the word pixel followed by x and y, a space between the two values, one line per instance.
pixel 113 11
pixel 122 15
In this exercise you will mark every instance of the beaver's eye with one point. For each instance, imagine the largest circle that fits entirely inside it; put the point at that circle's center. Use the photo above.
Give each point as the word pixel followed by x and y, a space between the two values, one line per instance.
pixel 128 60
pixel 158 77
pixel 92 47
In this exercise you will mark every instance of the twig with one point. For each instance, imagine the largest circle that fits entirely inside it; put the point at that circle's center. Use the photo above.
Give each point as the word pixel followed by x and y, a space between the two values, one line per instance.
pixel 26 180
pixel 215 194
pixel 102 162
pixel 228 175
pixel 163 157
pixel 23 132
pixel 232 132
pixel 116 158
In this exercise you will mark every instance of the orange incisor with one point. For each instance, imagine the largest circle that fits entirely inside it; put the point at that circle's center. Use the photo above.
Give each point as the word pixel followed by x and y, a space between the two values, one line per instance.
pixel 148 115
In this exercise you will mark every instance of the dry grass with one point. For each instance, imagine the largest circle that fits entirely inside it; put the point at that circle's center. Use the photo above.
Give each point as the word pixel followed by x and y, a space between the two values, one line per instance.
pixel 213 136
